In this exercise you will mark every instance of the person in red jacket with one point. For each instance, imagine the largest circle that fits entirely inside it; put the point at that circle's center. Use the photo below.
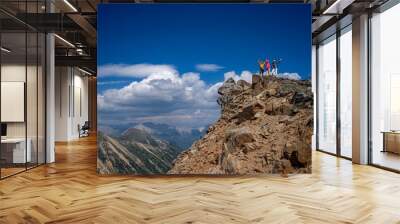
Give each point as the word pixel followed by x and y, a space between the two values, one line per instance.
pixel 268 65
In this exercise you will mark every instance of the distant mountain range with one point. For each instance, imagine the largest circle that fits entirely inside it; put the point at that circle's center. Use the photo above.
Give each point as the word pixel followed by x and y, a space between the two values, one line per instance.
pixel 182 139
pixel 135 151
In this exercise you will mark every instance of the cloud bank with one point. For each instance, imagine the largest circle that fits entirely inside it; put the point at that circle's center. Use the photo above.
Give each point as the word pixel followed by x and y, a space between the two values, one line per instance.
pixel 111 82
pixel 245 75
pixel 287 75
pixel 162 97
pixel 208 67
pixel 135 71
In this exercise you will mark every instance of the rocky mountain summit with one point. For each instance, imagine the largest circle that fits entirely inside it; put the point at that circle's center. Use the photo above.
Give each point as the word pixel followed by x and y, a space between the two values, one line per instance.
pixel 265 127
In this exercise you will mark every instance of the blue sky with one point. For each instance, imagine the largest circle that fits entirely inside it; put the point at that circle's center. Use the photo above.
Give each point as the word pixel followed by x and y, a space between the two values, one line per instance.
pixel 231 35
pixel 207 39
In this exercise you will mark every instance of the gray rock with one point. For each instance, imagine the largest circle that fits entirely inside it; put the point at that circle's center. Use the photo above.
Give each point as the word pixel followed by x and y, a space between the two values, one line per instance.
pixel 229 87
pixel 243 84
pixel 249 111
pixel 236 138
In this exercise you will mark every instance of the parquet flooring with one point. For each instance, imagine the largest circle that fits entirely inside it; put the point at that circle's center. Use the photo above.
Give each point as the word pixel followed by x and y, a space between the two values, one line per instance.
pixel 70 191
pixel 10 171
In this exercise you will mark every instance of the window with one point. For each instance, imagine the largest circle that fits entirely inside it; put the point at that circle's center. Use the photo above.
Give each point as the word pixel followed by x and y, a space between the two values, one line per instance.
pixel 385 89
pixel 327 95
pixel 22 88
pixel 346 92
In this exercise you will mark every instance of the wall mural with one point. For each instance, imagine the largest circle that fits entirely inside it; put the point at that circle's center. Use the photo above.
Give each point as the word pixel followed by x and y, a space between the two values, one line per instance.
pixel 204 89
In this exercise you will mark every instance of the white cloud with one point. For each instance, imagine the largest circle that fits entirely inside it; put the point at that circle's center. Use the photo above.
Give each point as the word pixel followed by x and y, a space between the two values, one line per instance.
pixel 163 97
pixel 135 71
pixel 245 75
pixel 111 82
pixel 288 75
pixel 208 67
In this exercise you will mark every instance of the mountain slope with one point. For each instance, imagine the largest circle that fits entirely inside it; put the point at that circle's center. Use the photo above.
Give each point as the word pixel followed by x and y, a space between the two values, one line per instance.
pixel 182 139
pixel 265 127
pixel 134 152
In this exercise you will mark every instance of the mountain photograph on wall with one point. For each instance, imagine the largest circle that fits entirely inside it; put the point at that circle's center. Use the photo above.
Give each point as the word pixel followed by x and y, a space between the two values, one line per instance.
pixel 204 89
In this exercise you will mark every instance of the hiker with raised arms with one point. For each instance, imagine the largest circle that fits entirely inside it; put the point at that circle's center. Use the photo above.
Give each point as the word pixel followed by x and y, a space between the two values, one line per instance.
pixel 268 66
pixel 261 65
pixel 275 63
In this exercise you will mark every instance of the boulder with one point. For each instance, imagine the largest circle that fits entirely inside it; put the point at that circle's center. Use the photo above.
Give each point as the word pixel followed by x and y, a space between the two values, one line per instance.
pixel 230 164
pixel 235 139
pixel 257 84
pixel 280 108
pixel 243 84
pixel 249 111
pixel 229 87
pixel 300 98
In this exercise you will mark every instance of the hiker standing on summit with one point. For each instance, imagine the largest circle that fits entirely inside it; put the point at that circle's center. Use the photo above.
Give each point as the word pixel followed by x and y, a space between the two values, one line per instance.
pixel 275 63
pixel 268 66
pixel 261 65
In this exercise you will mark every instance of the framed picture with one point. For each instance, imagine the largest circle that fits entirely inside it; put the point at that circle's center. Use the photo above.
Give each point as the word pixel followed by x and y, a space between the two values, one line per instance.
pixel 209 89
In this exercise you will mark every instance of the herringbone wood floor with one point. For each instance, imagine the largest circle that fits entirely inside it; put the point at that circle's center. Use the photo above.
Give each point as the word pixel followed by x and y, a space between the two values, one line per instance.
pixel 70 191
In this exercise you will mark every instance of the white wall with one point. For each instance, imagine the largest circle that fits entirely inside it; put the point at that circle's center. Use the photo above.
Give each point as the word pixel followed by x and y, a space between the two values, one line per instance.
pixel 16 73
pixel 62 81
pixel 80 109
pixel 13 100
pixel 71 102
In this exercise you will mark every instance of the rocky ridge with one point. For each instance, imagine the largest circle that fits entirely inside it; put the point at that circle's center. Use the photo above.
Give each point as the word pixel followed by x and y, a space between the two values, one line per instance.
pixel 265 127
